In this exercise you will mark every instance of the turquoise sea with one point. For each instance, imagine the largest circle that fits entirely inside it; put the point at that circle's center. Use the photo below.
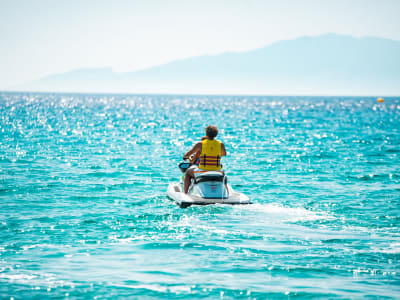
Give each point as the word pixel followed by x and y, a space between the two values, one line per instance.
pixel 84 212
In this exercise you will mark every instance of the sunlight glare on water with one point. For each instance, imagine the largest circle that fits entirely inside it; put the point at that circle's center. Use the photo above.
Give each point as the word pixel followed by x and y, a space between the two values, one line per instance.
pixel 84 211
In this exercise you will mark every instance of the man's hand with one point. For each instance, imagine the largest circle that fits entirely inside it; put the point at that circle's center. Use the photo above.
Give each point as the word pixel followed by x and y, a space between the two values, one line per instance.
pixel 196 148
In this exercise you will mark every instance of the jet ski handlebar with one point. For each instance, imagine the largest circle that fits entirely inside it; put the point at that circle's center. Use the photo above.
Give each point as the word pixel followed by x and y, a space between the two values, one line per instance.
pixel 183 166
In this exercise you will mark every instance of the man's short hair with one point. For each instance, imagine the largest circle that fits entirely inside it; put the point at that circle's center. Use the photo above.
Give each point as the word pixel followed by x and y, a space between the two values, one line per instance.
pixel 211 131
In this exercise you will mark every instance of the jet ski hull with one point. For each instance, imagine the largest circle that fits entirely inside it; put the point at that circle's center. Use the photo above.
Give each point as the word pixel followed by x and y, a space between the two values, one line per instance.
pixel 175 192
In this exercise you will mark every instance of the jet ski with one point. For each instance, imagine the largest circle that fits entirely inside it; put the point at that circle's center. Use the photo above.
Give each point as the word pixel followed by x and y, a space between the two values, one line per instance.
pixel 208 187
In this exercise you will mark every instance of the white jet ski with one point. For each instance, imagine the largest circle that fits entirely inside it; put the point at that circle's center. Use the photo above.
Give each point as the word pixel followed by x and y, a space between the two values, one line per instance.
pixel 209 187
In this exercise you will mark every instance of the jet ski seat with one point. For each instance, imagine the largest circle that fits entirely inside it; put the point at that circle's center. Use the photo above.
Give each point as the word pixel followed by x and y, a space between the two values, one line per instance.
pixel 210 176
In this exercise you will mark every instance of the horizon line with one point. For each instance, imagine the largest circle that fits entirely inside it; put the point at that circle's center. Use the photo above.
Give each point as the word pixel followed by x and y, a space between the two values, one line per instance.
pixel 204 94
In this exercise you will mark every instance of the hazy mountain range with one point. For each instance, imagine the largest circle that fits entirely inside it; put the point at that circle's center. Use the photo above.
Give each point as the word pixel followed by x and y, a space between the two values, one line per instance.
pixel 324 65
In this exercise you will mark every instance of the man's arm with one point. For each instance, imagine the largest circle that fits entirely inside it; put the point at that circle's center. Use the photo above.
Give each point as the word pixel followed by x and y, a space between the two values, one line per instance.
pixel 196 147
pixel 223 151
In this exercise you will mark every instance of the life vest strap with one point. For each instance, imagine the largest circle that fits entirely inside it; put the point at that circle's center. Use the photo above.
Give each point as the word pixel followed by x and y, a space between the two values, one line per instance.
pixel 210 160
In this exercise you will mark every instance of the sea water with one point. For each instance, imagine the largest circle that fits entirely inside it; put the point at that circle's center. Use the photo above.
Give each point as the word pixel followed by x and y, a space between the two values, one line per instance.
pixel 84 211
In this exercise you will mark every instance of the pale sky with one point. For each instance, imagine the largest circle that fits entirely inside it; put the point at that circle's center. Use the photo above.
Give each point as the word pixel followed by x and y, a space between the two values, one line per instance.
pixel 43 37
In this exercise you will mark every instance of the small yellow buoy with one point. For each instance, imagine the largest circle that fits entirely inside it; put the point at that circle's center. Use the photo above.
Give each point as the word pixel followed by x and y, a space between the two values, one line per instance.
pixel 380 100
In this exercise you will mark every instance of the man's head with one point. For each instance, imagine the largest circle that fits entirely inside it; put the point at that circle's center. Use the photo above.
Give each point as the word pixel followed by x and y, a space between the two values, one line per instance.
pixel 211 131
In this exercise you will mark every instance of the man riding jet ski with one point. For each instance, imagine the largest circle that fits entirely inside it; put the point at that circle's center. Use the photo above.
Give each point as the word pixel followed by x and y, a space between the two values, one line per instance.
pixel 210 151
pixel 205 183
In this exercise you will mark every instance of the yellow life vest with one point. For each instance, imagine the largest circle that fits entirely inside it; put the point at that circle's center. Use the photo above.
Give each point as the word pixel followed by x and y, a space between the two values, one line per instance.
pixel 210 156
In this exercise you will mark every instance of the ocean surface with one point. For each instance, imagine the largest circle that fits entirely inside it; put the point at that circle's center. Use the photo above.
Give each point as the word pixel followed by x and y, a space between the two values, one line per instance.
pixel 84 211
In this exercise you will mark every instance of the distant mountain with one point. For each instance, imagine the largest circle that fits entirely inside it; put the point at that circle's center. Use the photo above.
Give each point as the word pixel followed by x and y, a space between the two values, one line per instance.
pixel 325 65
